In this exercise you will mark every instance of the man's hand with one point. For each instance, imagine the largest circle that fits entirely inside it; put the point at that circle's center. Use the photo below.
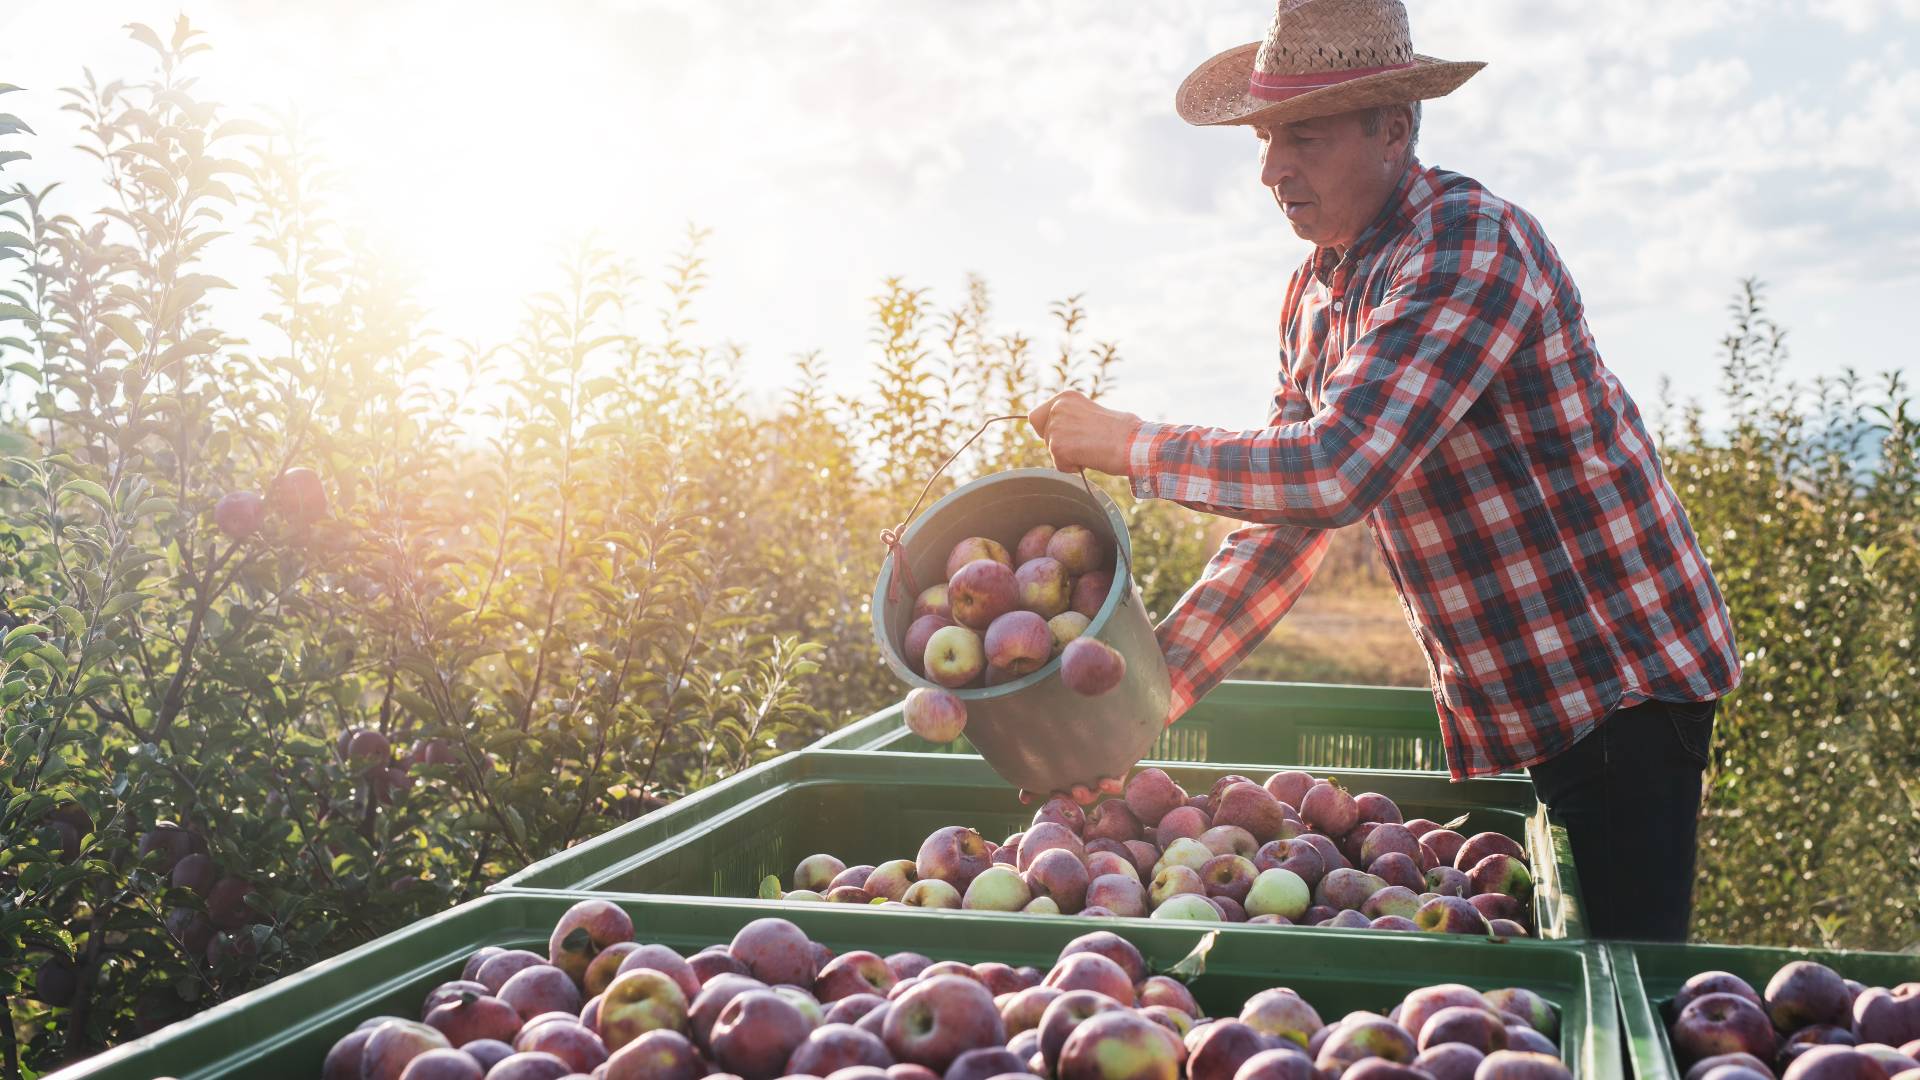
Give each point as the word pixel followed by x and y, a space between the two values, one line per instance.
pixel 1081 434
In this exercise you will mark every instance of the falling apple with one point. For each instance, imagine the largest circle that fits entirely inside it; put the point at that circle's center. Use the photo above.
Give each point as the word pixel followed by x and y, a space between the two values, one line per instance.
pixel 937 716
pixel 1091 667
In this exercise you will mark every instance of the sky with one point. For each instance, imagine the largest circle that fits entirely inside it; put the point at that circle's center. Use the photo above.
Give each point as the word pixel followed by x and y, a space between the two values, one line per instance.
pixel 1669 149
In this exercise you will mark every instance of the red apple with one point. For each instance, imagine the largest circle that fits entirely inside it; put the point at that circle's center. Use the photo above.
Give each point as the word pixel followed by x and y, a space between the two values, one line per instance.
pixel 394 1043
pixel 1721 1024
pixel 1045 586
pixel 1279 1064
pixel 756 1034
pixel 940 1019
pixel 571 1042
pixel 1090 667
pixel 298 495
pixel 1090 592
pixel 932 601
pixel 955 855
pixel 1482 844
pixel 660 1054
pixel 975 549
pixel 445 1063
pixel 1151 794
pixel 1521 1065
pixel 1091 971
pixel 1120 1045
pixel 1078 549
pixel 937 716
pixel 1019 642
pixel 1061 877
pixel 1113 894
pixel 982 591
pixel 240 514
pixel 475 1016
pixel 1032 545
pixel 585 929
pixel 1289 786
pixel 775 951
pixel 1113 947
pixel 541 988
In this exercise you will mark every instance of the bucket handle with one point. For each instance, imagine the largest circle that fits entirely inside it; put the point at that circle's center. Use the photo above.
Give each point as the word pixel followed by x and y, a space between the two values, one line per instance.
pixel 891 537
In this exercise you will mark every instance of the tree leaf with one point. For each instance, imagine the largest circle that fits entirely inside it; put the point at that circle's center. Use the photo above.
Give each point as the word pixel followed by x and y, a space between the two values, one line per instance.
pixel 1194 964
pixel 91 490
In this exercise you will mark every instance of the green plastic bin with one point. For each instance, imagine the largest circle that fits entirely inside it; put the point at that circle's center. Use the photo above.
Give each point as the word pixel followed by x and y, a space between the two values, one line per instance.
pixel 284 1029
pixel 871 806
pixel 1647 976
pixel 1313 725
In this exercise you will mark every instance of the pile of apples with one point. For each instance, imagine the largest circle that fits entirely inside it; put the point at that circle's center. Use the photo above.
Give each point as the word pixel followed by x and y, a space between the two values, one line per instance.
pixel 1812 1024
pixel 773 1003
pixel 999 616
pixel 1294 851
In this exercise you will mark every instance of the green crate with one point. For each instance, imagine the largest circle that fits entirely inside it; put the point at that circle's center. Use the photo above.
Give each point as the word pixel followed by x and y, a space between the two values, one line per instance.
pixel 1306 724
pixel 1647 976
pixel 871 806
pixel 285 1029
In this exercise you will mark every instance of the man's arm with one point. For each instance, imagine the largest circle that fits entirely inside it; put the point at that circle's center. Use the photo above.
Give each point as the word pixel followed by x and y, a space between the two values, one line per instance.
pixel 1456 311
pixel 1247 587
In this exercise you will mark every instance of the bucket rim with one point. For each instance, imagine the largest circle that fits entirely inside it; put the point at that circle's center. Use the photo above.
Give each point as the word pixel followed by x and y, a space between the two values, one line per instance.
pixel 1121 582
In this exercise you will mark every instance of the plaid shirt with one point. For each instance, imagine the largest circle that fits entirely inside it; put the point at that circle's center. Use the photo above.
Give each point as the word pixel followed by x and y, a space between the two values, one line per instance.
pixel 1439 382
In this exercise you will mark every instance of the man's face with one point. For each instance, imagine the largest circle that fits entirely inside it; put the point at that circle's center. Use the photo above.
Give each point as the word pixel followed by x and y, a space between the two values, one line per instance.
pixel 1330 177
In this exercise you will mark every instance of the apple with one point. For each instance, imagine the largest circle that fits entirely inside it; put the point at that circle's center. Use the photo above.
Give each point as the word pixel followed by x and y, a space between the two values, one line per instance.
pixel 1537 1012
pixel 1475 1025
pixel 475 1016
pixel 1048 836
pixel 1440 847
pixel 1888 1016
pixel 1389 837
pixel 393 1043
pixel 913 649
pixel 1230 840
pixel 904 1071
pixel 1351 842
pixel 1721 1024
pixel 606 964
pixel 986 1062
pixel 1447 881
pixel 1102 863
pixel 1119 1045
pixel 1480 845
pixel 1055 875
pixel 997 888
pixel 1893 1061
pixel 1065 627
pixel 298 495
pixel 1062 811
pixel 1804 993
pixel 850 1009
pixel 1377 807
pixel 1328 808
pixel 1163 990
pixel 1033 544
pixel 974 549
pixel 1091 971
pixel 1451 1061
pixel 1115 894
pixel 571 1042
pixel 776 951
pixel 1289 786
pixel 1077 549
pixel 1091 667
pixel 756 1034
pixel 891 879
pixel 1361 1036
pixel 1496 905
pixel 1172 881
pixel 1329 852
pixel 541 988
pixel 943 1017
pixel 1003 979
pixel 1349 919
pixel 1392 900
pixel 1295 855
pixel 1228 876
pixel 1522 1037
pixel 932 601
pixel 1450 915
pixel 955 855
pixel 445 1063
pixel 1506 874
pixel 1250 807
pixel 1112 946
pixel 1185 851
pixel 982 591
pixel 1219 1049
pixel 1521 1065
pixel 1090 592
pixel 706 965
pixel 1395 868
pixel 954 656
pixel 1111 819
pixel 452 990
pixel 1285 1063
pixel 932 893
pixel 1346 888
pixel 937 716
pixel 660 1054
pixel 1151 794
pixel 850 973
pixel 1019 642
pixel 1045 586
pixel 644 1000
pixel 1145 857
pixel 1021 1011
pixel 582 931
pixel 832 1047
pixel 1714 982
pixel 1744 1061
pixel 239 514
pixel 1278 891
pixel 1181 823
pixel 1062 1016
pixel 905 965
pixel 1191 907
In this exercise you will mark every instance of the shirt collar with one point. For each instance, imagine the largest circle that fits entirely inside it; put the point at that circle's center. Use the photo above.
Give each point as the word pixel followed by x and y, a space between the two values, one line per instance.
pixel 1414 189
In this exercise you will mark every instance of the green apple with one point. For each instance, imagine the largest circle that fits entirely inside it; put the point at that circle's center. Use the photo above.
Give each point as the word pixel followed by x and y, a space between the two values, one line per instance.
pixel 1278 891
pixel 1188 907
pixel 1186 852
pixel 998 888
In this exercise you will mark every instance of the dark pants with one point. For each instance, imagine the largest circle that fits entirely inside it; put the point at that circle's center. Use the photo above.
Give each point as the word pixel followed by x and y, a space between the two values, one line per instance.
pixel 1629 794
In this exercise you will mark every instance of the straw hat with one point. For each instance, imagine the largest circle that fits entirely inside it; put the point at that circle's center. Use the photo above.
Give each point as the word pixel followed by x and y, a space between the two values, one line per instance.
pixel 1321 57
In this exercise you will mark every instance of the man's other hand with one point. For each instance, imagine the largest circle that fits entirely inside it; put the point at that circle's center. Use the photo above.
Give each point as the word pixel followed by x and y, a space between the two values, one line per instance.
pixel 1082 434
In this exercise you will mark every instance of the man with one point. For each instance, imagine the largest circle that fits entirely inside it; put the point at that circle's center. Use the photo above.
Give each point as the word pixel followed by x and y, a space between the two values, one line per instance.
pixel 1437 380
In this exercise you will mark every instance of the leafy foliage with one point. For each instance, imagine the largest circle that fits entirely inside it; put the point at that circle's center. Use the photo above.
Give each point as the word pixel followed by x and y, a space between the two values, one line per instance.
pixel 536 588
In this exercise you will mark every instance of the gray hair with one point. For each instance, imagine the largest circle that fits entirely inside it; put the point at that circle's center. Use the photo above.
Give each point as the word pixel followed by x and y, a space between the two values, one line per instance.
pixel 1372 119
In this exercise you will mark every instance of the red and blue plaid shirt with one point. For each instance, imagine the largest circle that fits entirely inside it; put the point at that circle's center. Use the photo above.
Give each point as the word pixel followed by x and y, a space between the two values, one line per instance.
pixel 1438 381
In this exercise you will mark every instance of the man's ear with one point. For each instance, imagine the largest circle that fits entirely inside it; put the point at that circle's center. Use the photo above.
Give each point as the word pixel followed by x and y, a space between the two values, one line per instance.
pixel 1399 131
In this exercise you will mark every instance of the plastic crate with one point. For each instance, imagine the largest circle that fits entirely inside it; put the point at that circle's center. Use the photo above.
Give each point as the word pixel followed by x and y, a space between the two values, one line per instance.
pixel 1307 724
pixel 285 1029
pixel 1647 976
pixel 871 806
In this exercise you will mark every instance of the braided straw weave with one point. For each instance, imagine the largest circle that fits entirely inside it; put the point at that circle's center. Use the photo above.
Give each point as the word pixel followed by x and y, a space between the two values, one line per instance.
pixel 1320 37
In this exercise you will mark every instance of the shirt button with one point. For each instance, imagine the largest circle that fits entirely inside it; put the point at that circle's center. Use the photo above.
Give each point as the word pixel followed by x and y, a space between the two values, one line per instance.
pixel 1336 305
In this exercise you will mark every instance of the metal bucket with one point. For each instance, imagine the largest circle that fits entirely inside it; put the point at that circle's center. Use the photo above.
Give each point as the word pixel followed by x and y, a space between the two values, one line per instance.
pixel 1033 730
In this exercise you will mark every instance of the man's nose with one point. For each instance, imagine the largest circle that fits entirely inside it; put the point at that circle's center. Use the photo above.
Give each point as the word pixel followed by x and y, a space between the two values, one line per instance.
pixel 1274 168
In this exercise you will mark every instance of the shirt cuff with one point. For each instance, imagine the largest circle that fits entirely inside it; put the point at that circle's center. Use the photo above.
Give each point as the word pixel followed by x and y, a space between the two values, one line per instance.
pixel 1140 455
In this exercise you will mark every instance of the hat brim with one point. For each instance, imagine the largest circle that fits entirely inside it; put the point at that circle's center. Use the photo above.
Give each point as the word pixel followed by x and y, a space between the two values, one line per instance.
pixel 1216 92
